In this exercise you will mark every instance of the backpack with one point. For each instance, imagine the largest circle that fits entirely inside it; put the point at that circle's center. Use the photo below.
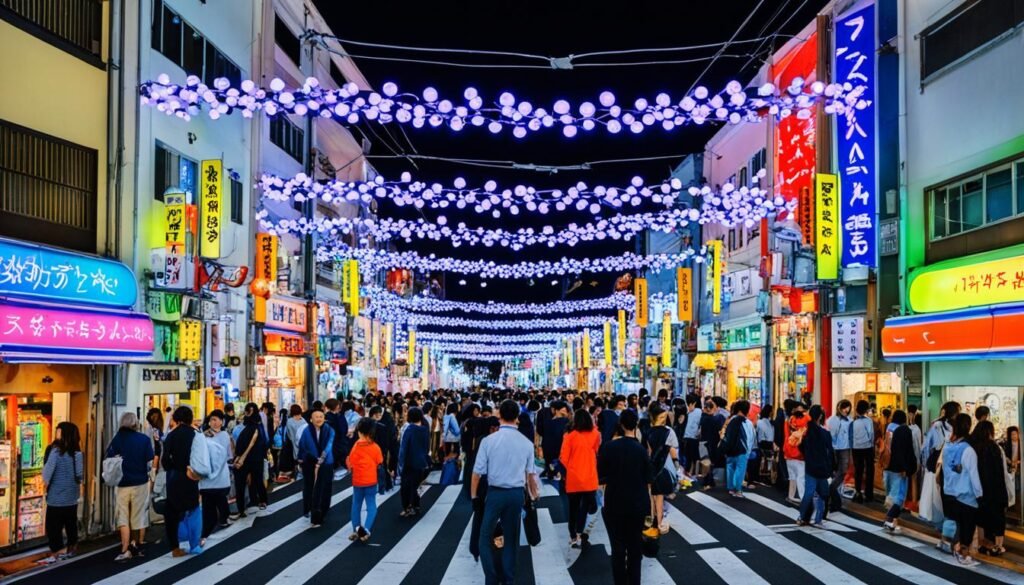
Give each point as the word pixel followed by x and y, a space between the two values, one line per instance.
pixel 112 470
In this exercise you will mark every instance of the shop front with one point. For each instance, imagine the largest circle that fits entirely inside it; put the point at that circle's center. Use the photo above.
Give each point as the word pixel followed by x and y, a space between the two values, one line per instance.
pixel 280 373
pixel 64 317
pixel 793 356
pixel 854 376
pixel 729 362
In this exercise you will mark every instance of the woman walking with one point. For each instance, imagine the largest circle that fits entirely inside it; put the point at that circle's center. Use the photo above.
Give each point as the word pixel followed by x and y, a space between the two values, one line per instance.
pixel 363 461
pixel 961 487
pixel 251 449
pixel 214 488
pixel 902 465
pixel 413 460
pixel 796 426
pixel 62 475
pixel 293 428
pixel 452 431
pixel 663 448
pixel 739 442
pixel 579 457
pixel 317 460
pixel 992 473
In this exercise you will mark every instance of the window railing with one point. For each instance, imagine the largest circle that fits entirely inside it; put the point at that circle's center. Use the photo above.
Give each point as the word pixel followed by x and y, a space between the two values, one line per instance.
pixel 77 22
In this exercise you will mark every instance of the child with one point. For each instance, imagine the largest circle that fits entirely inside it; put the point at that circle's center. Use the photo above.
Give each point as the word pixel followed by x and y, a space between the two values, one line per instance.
pixel 363 461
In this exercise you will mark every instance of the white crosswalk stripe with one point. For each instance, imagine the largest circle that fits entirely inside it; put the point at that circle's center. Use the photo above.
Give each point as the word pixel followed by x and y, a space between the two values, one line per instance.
pixel 730 568
pixel 462 569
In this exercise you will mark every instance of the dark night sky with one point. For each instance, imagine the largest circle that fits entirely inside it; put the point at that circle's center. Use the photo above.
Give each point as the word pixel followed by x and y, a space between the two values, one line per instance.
pixel 552 29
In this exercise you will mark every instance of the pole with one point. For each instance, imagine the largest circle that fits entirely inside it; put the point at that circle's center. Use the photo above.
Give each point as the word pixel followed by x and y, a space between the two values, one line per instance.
pixel 308 243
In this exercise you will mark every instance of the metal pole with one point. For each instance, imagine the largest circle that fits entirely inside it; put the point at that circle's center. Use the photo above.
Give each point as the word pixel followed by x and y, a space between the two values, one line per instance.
pixel 308 242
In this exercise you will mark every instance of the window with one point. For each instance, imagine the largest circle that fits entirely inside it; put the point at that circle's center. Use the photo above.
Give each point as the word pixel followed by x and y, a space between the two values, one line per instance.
pixel 187 48
pixel 47 183
pixel 237 211
pixel 74 26
pixel 287 136
pixel 743 177
pixel 973 25
pixel 757 162
pixel 173 170
pixel 988 197
pixel 288 42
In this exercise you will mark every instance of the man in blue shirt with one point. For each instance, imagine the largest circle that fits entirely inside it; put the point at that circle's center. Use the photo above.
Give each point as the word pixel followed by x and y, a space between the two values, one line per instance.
pixel 841 428
pixel 132 492
pixel 506 459
pixel 863 445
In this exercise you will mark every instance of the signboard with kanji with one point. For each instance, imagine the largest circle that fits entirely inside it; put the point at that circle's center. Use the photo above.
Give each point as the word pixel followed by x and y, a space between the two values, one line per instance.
pixel 827 244
pixel 211 207
pixel 684 294
pixel 640 291
pixel 989 280
pixel 848 342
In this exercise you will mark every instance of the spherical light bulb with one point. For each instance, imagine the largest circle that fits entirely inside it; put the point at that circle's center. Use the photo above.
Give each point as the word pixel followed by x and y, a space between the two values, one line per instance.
pixel 561 107
pixel 569 131
pixel 607 99
pixel 390 89
pixel 507 99
pixel 430 94
pixel 470 93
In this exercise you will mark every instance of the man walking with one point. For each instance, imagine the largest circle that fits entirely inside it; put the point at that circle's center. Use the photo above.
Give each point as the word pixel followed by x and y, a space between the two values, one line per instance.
pixel 624 471
pixel 132 492
pixel 841 428
pixel 506 458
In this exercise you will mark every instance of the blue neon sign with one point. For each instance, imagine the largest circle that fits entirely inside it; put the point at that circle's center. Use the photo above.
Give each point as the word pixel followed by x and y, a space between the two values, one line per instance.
pixel 47 274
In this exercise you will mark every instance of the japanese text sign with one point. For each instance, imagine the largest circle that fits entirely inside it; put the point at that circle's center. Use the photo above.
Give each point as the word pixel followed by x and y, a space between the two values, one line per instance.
pixel 163 306
pixel 848 342
pixel 27 328
pixel 350 286
pixel 795 148
pixel 211 207
pixel 190 340
pixel 585 349
pixel 266 257
pixel 640 291
pixel 174 223
pixel 684 294
pixel 715 271
pixel 42 273
pixel 278 343
pixel 988 282
pixel 826 246
pixel 607 344
pixel 666 340
pixel 286 314
pixel 855 132
pixel 620 336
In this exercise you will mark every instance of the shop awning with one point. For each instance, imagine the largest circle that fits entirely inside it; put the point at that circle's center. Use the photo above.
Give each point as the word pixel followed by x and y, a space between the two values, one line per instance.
pixel 994 332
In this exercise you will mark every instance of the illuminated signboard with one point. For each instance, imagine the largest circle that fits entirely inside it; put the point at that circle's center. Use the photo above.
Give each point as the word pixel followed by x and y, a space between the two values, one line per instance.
pixel 684 294
pixel 985 279
pixel 795 149
pixel 28 328
pixel 640 290
pixel 855 65
pixel 211 207
pixel 283 344
pixel 607 344
pixel 826 245
pixel 977 333
pixel 620 336
pixel 715 269
pixel 41 273
pixel 287 314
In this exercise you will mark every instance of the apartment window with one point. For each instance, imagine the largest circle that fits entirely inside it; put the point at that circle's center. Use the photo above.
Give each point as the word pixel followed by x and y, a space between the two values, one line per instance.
pixel 187 48
pixel 237 210
pixel 74 26
pixel 982 199
pixel 743 178
pixel 973 25
pixel 47 183
pixel 757 162
pixel 287 136
pixel 288 42
pixel 173 170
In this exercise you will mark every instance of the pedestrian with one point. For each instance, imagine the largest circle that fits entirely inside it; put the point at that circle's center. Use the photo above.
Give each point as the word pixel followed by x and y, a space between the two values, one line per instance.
pixel 624 472
pixel 900 467
pixel 551 441
pixel 132 492
pixel 796 426
pixel 579 457
pixel 1012 449
pixel 992 473
pixel 363 461
pixel 316 456
pixel 413 461
pixel 334 419
pixel 961 487
pixel 818 458
pixel 691 433
pixel 663 449
pixel 608 420
pixel 277 443
pixel 182 482
pixel 840 426
pixel 452 431
pixel 710 436
pixel 738 442
pixel 863 446
pixel 229 417
pixel 63 474
pixel 250 453
pixel 214 489
pixel 293 432
pixel 506 458
pixel 766 437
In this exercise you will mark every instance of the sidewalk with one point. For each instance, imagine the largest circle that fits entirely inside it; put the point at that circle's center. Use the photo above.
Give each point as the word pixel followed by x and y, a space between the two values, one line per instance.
pixel 914 527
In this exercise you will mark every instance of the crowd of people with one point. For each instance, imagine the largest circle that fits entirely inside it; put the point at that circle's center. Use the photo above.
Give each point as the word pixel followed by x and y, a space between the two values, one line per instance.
pixel 619 457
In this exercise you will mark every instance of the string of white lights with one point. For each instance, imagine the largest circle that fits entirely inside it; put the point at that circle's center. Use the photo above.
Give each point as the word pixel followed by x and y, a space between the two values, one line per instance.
pixel 380 297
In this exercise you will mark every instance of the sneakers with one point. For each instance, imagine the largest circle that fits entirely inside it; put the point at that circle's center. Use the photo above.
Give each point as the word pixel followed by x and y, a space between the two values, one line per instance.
pixel 178 553
pixel 65 556
pixel 890 527
pixel 964 559
pixel 124 556
pixel 944 546
pixel 47 560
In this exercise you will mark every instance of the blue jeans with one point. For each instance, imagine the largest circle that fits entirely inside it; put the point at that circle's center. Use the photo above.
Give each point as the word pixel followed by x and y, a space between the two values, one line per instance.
pixel 506 505
pixel 895 492
pixel 812 486
pixel 366 494
pixel 735 471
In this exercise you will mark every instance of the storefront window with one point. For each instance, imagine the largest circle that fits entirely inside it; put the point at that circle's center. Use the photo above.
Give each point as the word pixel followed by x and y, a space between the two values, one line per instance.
pixel 1003 401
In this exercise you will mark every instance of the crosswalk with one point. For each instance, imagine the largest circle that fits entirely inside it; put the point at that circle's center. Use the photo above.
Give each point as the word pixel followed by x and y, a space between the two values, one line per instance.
pixel 713 539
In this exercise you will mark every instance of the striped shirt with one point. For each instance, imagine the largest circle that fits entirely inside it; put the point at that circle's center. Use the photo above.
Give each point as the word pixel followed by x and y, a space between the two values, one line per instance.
pixel 62 477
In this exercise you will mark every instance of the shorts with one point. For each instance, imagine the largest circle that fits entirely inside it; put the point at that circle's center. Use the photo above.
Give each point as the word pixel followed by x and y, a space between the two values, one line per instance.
pixel 133 506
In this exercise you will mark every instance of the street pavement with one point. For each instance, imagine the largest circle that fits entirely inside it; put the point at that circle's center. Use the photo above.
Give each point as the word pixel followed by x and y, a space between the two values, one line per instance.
pixel 714 539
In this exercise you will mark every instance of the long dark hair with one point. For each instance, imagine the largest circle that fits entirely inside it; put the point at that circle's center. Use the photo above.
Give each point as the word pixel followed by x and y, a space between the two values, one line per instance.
pixel 70 440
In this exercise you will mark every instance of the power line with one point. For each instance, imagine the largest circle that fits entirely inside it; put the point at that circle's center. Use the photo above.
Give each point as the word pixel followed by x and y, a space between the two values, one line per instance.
pixel 508 164
pixel 726 45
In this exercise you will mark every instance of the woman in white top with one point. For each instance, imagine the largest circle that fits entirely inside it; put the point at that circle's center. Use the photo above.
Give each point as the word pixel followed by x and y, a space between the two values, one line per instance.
pixel 215 487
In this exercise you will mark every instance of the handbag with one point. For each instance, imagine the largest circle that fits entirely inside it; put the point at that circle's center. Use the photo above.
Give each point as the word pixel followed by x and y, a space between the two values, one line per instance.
pixel 112 470
pixel 531 526
pixel 1011 485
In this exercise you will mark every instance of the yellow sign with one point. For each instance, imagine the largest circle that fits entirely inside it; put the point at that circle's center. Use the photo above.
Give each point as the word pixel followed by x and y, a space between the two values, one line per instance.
pixel 174 223
pixel 412 349
pixel 350 286
pixel 684 294
pixel 967 285
pixel 212 207
pixel 385 353
pixel 827 247
pixel 607 344
pixel 586 349
pixel 621 337
pixel 570 357
pixel 640 291
pixel 190 340
pixel 666 340
pixel 266 258
pixel 715 271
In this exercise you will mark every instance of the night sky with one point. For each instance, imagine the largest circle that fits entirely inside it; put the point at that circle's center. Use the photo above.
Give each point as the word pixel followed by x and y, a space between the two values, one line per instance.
pixel 553 30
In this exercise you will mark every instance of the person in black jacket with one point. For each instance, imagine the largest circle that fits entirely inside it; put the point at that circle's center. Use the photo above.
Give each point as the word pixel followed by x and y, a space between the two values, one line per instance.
pixel 182 490
pixel 991 472
pixel 384 436
pixel 819 459
pixel 250 451
pixel 902 465
pixel 710 435
pixel 624 472
pixel 334 419
pixel 608 420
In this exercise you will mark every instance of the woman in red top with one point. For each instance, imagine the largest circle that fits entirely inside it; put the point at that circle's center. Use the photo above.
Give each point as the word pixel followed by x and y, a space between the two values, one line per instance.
pixel 579 457
pixel 796 426
pixel 363 460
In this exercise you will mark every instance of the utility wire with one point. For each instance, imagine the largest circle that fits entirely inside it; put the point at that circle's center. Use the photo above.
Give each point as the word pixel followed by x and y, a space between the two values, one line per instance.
pixel 726 45
pixel 508 164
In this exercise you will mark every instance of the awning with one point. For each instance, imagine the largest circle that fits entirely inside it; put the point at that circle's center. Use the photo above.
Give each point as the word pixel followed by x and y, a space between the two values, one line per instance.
pixel 994 332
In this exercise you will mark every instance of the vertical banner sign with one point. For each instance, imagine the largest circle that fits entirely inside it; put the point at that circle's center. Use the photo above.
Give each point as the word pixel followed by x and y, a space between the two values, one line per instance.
pixel 412 350
pixel 586 349
pixel 350 286
pixel 190 340
pixel 827 245
pixel 640 291
pixel 607 344
pixel 621 336
pixel 666 340
pixel 266 258
pixel 174 223
pixel 855 130
pixel 385 354
pixel 715 275
pixel 211 205
pixel 684 294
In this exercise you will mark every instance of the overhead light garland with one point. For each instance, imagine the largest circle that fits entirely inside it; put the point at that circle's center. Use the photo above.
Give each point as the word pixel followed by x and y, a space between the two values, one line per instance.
pixel 491 338
pixel 372 260
pixel 380 297
pixel 496 357
pixel 416 320
pixel 489 199
pixel 428 109
pixel 479 348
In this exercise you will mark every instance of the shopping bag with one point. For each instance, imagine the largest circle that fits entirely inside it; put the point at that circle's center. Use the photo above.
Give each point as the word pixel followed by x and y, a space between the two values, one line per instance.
pixel 190 530
pixel 112 470
pixel 531 526
pixel 930 504
pixel 450 472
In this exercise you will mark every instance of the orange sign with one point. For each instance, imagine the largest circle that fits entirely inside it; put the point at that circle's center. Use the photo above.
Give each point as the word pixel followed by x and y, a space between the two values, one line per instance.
pixel 283 344
pixel 975 333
